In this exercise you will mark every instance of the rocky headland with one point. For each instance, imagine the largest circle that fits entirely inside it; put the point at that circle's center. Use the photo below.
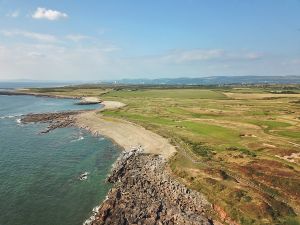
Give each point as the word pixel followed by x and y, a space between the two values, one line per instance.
pixel 144 192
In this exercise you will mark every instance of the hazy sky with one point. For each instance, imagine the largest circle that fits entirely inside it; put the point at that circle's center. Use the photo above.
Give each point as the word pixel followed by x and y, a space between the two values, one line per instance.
pixel 97 39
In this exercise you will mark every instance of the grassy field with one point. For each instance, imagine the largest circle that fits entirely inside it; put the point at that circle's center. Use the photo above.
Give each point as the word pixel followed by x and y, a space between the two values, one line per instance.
pixel 83 91
pixel 240 146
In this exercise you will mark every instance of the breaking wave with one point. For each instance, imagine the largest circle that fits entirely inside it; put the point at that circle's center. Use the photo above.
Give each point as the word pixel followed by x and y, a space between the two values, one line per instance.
pixel 10 116
pixel 78 139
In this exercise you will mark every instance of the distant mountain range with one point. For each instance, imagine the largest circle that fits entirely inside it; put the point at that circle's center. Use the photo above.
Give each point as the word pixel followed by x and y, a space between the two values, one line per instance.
pixel 217 80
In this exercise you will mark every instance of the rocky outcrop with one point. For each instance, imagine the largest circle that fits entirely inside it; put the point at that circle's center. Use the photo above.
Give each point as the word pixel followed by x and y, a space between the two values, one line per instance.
pixel 55 120
pixel 145 193
pixel 89 101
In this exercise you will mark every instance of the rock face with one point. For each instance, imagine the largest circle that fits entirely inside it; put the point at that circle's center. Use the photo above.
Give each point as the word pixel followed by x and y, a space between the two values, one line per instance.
pixel 145 193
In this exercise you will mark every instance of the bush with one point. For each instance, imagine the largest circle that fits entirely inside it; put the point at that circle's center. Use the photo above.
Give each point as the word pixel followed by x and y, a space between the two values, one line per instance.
pixel 200 149
pixel 242 150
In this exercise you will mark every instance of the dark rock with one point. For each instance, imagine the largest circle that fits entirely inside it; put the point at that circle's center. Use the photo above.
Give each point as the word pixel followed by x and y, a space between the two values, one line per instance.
pixel 55 120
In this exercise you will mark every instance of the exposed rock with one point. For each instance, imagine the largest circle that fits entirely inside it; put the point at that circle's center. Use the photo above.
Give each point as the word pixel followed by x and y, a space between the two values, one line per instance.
pixel 55 120
pixel 145 193
pixel 89 101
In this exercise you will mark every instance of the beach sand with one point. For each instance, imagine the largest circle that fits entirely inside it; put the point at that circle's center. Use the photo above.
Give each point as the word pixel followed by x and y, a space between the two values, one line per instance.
pixel 124 133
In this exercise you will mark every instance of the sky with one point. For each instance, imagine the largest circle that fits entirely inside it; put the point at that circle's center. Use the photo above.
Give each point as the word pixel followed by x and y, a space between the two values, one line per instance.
pixel 116 39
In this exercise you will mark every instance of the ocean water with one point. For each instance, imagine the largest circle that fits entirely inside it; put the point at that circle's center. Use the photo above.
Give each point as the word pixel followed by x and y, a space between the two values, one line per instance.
pixel 39 173
pixel 28 84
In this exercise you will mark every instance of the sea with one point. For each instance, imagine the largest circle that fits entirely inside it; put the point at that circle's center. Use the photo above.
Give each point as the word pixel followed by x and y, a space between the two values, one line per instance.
pixel 39 172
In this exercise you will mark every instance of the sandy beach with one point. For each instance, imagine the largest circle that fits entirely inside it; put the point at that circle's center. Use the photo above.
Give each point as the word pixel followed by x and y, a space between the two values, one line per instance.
pixel 124 133
pixel 89 101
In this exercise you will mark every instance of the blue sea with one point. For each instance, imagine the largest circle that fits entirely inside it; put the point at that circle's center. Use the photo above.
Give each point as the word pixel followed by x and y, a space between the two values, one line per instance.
pixel 39 173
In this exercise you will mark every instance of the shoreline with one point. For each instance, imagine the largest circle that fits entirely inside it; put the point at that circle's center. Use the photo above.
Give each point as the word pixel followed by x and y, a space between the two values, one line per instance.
pixel 125 134
pixel 83 100
pixel 16 92
pixel 140 177
pixel 144 192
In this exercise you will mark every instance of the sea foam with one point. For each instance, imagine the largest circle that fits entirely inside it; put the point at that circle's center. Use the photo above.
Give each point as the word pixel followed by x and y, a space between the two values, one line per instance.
pixel 10 116
pixel 78 139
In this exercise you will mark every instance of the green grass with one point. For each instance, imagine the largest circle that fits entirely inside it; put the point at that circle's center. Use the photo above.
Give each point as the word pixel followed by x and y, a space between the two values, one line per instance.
pixel 183 112
pixel 214 132
pixel 247 90
pixel 292 221
pixel 270 124
pixel 141 118
pixel 70 91
pixel 180 111
pixel 289 133
pixel 186 113
pixel 218 133
pixel 176 93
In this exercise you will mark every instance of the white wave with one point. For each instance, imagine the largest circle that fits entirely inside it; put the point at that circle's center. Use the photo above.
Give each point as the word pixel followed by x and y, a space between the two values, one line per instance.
pixel 92 218
pixel 78 139
pixel 18 121
pixel 10 116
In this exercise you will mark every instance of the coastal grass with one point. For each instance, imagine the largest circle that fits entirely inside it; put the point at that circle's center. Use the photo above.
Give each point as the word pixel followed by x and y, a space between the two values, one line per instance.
pixel 234 143
pixel 270 124
pixel 69 91
pixel 291 134
pixel 224 140
pixel 168 93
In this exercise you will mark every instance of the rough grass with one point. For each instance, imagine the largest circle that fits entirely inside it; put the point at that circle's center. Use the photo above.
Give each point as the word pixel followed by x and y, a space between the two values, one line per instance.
pixel 290 134
pixel 175 94
pixel 270 124
pixel 171 113
pixel 70 91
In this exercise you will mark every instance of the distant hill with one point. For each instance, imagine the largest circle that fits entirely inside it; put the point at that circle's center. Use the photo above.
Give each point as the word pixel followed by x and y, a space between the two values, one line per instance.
pixel 214 80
